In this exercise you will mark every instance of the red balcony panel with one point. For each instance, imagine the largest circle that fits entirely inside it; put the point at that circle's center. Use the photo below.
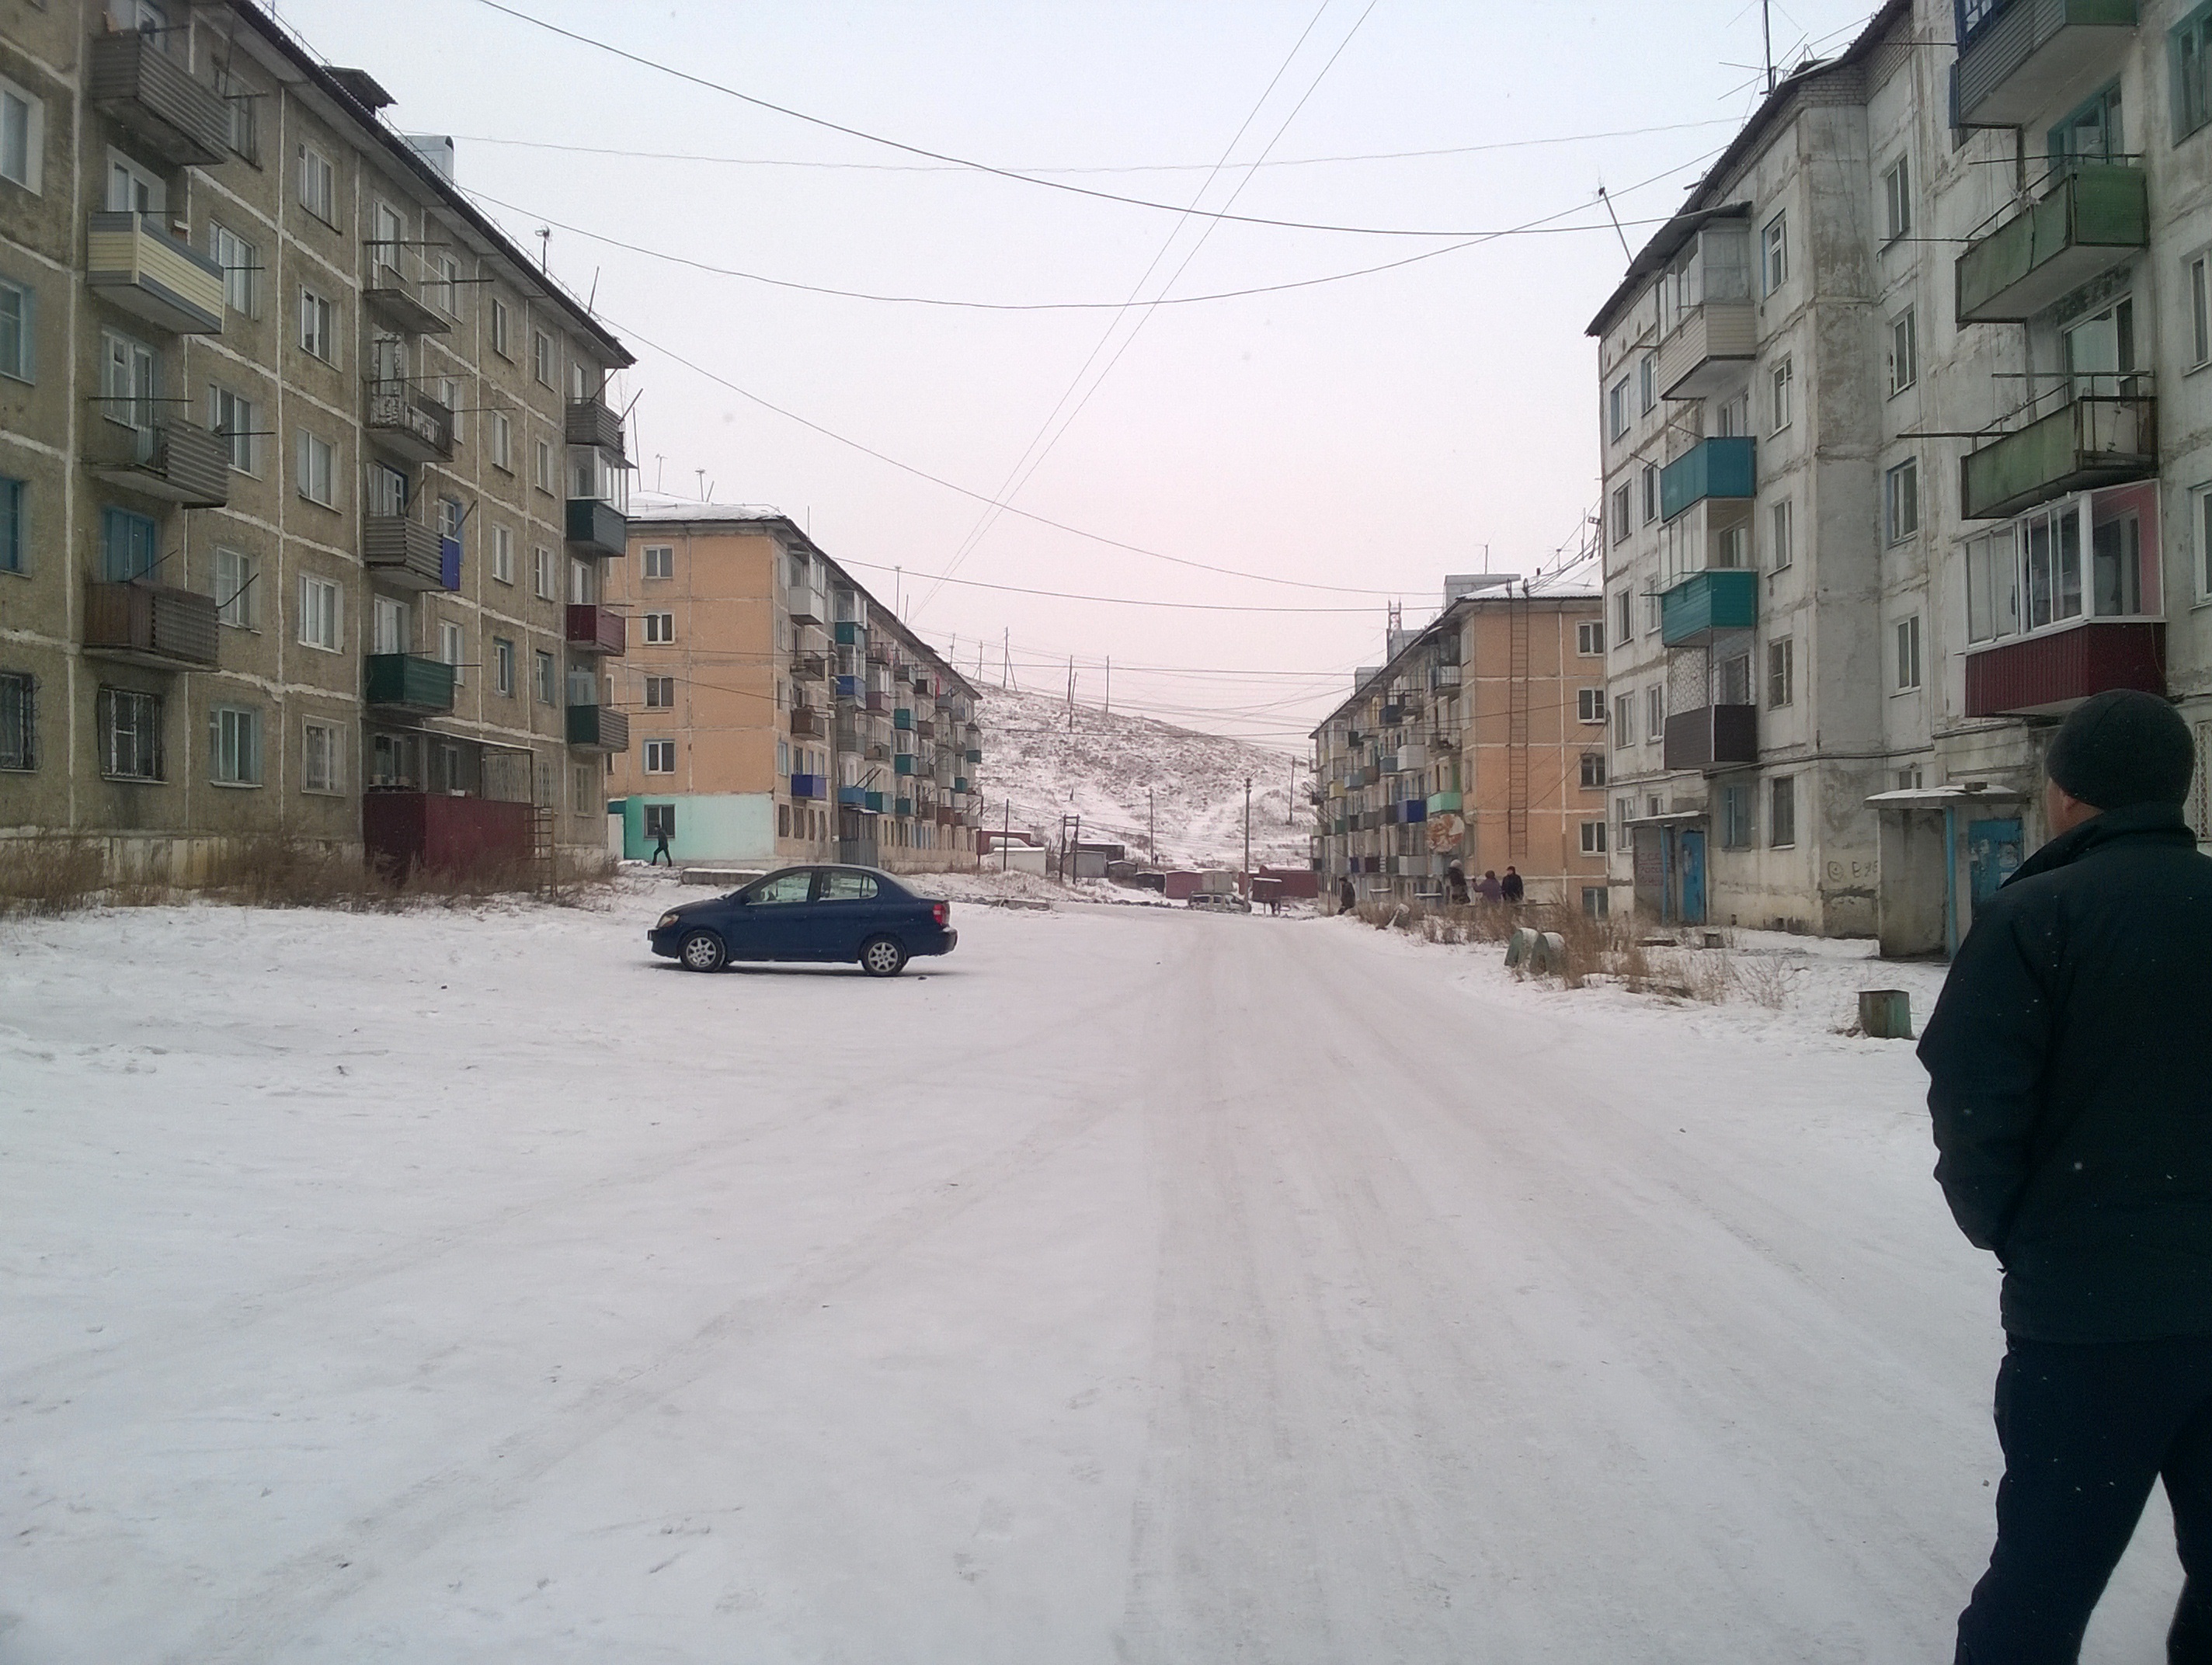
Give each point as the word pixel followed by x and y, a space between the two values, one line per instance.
pixel 2046 675
pixel 404 830
pixel 596 630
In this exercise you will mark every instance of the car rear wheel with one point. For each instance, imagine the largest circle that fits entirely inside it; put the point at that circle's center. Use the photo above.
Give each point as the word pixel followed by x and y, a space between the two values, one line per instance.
pixel 883 957
pixel 702 950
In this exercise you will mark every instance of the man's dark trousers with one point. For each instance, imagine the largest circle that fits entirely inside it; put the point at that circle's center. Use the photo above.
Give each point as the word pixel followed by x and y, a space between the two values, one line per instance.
pixel 2087 1428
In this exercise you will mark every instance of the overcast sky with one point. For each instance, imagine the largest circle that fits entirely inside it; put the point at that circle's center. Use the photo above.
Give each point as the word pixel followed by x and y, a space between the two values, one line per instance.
pixel 1374 434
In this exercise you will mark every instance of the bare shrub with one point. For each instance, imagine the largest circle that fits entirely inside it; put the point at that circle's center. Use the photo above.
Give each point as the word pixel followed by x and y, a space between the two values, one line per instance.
pixel 1706 976
pixel 1764 979
pixel 48 874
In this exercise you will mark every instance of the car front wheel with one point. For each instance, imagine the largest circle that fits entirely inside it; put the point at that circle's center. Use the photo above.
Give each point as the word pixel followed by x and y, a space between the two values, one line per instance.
pixel 882 957
pixel 701 951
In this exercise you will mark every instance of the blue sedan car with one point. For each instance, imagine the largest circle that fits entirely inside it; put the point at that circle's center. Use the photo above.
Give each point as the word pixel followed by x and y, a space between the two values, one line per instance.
pixel 839 914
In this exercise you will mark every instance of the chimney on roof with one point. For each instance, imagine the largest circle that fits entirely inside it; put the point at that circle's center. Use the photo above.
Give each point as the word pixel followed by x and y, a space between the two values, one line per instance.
pixel 362 87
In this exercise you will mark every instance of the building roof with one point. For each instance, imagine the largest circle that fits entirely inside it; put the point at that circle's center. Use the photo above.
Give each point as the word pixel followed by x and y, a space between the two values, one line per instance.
pixel 1774 109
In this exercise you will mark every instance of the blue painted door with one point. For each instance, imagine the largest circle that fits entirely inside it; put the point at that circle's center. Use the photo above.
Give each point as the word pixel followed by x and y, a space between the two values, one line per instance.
pixel 1694 877
pixel 1992 855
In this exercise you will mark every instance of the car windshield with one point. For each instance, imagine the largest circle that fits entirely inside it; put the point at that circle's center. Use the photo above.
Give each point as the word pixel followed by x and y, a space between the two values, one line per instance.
pixel 782 888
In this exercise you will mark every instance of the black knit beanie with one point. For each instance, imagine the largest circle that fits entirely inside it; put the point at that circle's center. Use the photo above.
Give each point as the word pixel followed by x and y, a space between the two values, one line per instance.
pixel 2123 747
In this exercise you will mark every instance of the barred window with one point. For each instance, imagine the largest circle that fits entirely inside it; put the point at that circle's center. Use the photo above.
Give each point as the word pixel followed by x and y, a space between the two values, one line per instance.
pixel 129 734
pixel 19 747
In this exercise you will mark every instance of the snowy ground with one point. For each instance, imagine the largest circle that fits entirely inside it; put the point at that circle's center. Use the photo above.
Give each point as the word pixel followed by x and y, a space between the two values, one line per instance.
pixel 1133 1285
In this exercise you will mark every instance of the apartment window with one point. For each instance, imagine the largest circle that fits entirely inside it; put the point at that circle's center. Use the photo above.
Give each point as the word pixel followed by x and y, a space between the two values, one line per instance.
pixel 503 442
pixel 22 136
pixel 541 664
pixel 1593 769
pixel 317 470
pixel 129 726
pixel 502 553
pixel 1774 254
pixel 322 606
pixel 545 474
pixel 1783 531
pixel 1590 704
pixel 241 262
pixel 318 192
pixel 234 746
pixel 1589 638
pixel 1900 499
pixel 244 116
pixel 14 503
pixel 234 575
pixel 1903 351
pixel 2190 47
pixel 393 630
pixel 1784 384
pixel 1647 378
pixel 446 283
pixel 660 561
pixel 1782 812
pixel 1626 604
pixel 451 649
pixel 132 189
pixel 1616 410
pixel 500 343
pixel 661 756
pixel 502 666
pixel 541 573
pixel 1734 680
pixel 1651 494
pixel 1896 197
pixel 2201 501
pixel 1593 838
pixel 583 583
pixel 18 331
pixel 130 545
pixel 783 758
pixel 1596 901
pixel 130 385
pixel 320 758
pixel 2200 309
pixel 1781 673
pixel 1909 779
pixel 1620 520
pixel 451 516
pixel 541 357
pixel 1624 720
pixel 659 629
pixel 660 693
pixel 19 737
pixel 1908 653
pixel 232 420
pixel 318 334
pixel 1655 713
pixel 1735 817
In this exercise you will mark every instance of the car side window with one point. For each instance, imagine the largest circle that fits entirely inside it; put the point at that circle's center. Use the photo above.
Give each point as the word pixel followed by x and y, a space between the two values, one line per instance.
pixel 783 890
pixel 847 887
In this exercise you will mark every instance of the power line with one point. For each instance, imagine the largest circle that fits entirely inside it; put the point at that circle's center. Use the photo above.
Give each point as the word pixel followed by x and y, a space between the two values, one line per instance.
pixel 959 162
pixel 1104 600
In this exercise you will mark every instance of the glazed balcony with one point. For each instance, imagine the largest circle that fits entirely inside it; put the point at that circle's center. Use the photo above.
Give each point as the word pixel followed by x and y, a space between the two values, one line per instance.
pixel 1710 351
pixel 1724 466
pixel 2048 674
pixel 169 458
pixel 408 553
pixel 1712 738
pixel 404 419
pixel 2092 216
pixel 133 261
pixel 151 624
pixel 597 527
pixel 144 89
pixel 589 421
pixel 409 682
pixel 2022 60
pixel 595 629
pixel 597 729
pixel 1707 605
pixel 2101 438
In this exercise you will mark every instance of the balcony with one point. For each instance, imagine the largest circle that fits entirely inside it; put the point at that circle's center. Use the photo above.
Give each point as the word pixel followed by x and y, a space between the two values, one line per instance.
pixel 903 807
pixel 2047 675
pixel 2093 440
pixel 597 729
pixel 1710 351
pixel 590 423
pixel 597 527
pixel 2095 216
pixel 806 723
pixel 873 802
pixel 960 783
pixel 848 633
pixel 903 719
pixel 151 624
pixel 875 700
pixel 399 290
pixel 2020 60
pixel 946 815
pixel 1718 467
pixel 154 95
pixel 1415 810
pixel 405 552
pixel 852 797
pixel 409 682
pixel 132 260
pixel 1443 803
pixel 809 668
pixel 879 652
pixel 903 763
pixel 805 787
pixel 1443 675
pixel 804 604
pixel 925 728
pixel 1712 738
pixel 973 755
pixel 1707 605
pixel 594 629
pixel 170 459
pixel 409 422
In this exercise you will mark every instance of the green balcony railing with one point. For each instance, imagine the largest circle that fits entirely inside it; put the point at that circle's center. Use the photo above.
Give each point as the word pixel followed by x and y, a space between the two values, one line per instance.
pixel 1443 803
pixel 1708 603
pixel 1724 466
pixel 2096 215
pixel 2093 440
pixel 405 681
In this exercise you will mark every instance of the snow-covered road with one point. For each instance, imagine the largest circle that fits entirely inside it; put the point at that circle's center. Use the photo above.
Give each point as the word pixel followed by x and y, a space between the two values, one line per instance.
pixel 1132 1286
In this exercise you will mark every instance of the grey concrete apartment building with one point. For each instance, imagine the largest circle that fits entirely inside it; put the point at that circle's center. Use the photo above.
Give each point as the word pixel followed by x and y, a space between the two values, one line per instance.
pixel 307 474
pixel 1907 451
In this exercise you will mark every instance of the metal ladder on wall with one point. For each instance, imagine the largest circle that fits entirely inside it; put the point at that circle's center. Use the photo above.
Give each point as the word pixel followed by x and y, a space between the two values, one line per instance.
pixel 541 853
pixel 1516 728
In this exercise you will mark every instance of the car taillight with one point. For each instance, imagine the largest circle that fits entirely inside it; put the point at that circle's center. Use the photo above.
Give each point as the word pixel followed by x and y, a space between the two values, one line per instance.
pixel 941 912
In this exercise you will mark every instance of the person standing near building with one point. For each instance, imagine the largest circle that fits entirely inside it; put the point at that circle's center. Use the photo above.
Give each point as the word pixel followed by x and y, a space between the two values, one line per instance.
pixel 1347 898
pixel 1512 888
pixel 2072 1112
pixel 1455 885
pixel 1487 886
pixel 660 849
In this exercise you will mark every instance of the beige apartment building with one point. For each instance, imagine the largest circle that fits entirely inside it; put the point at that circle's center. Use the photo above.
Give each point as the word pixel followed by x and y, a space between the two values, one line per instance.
pixel 306 472
pixel 781 712
pixel 1479 742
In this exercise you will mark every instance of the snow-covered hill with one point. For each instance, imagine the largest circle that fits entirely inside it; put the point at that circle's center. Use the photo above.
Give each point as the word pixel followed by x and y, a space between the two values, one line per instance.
pixel 1102 768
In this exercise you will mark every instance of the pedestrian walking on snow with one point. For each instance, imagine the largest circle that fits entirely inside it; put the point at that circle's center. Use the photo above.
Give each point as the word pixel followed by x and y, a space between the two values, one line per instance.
pixel 1487 886
pixel 2073 1114
pixel 1455 885
pixel 1347 898
pixel 1512 887
pixel 661 850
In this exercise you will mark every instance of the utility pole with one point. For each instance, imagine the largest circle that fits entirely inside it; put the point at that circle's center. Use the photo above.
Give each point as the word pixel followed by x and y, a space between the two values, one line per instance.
pixel 1766 40
pixel 1005 827
pixel 1248 838
pixel 1006 652
pixel 1071 693
pixel 1109 684
pixel 1151 828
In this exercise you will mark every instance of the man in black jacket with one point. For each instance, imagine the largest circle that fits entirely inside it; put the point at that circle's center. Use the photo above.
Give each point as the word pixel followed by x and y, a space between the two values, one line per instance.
pixel 2073 1116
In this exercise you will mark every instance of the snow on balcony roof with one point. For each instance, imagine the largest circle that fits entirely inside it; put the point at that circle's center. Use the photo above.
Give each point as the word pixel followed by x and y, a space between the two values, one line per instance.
pixel 1937 798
